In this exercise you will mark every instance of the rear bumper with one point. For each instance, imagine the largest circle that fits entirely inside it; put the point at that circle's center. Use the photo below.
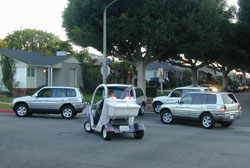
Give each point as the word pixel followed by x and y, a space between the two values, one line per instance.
pixel 228 116
pixel 132 128
pixel 79 109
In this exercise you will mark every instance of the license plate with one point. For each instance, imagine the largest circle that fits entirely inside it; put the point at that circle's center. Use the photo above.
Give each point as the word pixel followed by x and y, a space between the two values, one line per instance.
pixel 124 128
pixel 231 117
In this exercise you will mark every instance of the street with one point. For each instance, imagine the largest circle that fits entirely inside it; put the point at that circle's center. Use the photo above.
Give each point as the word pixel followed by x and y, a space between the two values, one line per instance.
pixel 49 141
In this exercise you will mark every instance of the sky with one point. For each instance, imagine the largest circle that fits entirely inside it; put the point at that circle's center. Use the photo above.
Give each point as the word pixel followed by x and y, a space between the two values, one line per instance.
pixel 43 15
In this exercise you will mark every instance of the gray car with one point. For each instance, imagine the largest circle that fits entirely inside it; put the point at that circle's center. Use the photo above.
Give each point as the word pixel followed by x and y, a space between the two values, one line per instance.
pixel 205 107
pixel 65 100
pixel 141 99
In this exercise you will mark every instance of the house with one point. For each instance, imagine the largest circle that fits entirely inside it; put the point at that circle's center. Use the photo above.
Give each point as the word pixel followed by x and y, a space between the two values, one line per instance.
pixel 155 69
pixel 34 70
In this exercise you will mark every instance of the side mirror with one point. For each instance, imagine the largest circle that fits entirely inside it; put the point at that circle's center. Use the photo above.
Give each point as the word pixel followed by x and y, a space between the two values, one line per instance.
pixel 181 102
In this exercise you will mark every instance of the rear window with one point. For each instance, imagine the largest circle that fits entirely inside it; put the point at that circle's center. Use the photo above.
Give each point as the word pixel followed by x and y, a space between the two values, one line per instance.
pixel 228 98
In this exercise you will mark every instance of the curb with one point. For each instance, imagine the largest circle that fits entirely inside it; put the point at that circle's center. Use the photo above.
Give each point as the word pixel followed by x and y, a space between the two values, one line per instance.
pixel 6 111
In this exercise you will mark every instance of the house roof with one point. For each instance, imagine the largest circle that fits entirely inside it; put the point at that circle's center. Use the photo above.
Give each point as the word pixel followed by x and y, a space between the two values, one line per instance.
pixel 33 58
pixel 165 66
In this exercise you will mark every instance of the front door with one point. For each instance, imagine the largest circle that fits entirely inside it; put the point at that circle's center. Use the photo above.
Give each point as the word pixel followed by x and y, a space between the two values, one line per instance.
pixel 41 103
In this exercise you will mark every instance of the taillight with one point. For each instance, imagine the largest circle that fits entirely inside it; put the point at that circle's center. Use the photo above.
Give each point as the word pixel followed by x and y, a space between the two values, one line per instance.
pixel 239 107
pixel 223 108
pixel 127 98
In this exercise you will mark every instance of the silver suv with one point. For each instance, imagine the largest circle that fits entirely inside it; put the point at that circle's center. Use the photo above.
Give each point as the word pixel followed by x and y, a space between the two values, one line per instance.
pixel 175 96
pixel 65 100
pixel 205 107
pixel 141 100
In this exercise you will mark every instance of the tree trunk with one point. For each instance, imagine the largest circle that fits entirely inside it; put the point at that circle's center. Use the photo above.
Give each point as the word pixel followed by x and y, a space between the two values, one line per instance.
pixel 244 78
pixel 141 81
pixel 194 76
pixel 225 81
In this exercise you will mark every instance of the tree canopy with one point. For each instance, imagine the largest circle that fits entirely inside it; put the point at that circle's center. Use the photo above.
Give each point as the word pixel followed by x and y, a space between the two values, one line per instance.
pixel 36 40
pixel 137 31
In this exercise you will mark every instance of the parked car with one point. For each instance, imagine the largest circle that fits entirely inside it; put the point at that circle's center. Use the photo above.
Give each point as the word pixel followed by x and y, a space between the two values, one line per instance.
pixel 65 100
pixel 141 100
pixel 174 96
pixel 205 107
pixel 210 86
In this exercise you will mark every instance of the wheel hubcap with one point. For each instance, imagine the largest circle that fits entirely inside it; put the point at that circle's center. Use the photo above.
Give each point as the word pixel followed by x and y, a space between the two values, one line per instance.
pixel 157 108
pixel 67 112
pixel 206 121
pixel 167 117
pixel 142 109
pixel 104 133
pixel 21 110
pixel 87 126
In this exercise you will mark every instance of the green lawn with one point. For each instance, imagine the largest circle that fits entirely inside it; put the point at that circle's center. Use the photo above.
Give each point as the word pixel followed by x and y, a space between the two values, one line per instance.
pixel 5 107
pixel 6 99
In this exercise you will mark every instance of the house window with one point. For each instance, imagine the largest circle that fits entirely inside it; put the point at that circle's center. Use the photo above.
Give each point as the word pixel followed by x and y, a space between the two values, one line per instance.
pixel 155 74
pixel 31 72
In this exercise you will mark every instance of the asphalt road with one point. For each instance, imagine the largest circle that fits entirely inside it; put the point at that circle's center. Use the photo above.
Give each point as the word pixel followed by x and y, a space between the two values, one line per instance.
pixel 50 141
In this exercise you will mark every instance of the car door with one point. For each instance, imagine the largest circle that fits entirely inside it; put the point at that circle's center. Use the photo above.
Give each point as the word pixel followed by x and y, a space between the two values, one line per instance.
pixel 197 106
pixel 138 96
pixel 174 96
pixel 57 99
pixel 182 108
pixel 41 103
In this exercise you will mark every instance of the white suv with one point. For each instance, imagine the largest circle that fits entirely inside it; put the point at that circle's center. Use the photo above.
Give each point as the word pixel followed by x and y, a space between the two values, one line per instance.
pixel 205 107
pixel 65 100
pixel 174 96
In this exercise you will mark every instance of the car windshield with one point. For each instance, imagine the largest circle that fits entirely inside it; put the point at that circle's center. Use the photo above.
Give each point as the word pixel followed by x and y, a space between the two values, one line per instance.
pixel 120 92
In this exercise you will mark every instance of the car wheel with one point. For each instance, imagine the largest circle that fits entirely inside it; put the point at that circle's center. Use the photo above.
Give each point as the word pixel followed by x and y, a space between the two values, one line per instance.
pixel 22 110
pixel 139 134
pixel 142 109
pixel 207 121
pixel 106 134
pixel 68 112
pixel 166 117
pixel 87 127
pixel 157 107
pixel 226 123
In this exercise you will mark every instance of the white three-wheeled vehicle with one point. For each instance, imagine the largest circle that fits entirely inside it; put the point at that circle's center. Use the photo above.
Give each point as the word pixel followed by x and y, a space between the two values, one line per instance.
pixel 112 111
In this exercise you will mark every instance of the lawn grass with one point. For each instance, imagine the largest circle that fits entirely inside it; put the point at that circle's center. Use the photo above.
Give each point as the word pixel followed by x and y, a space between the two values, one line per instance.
pixel 5 107
pixel 6 99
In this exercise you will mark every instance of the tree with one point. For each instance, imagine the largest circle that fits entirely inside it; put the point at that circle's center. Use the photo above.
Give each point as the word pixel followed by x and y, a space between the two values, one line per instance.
pixel 36 40
pixel 198 35
pixel 137 31
pixel 243 34
pixel 90 71
pixel 8 68
pixel 227 57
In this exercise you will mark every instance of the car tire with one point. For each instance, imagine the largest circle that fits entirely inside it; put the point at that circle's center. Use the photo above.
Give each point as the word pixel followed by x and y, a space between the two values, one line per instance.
pixel 68 112
pixel 157 107
pixel 207 121
pixel 87 127
pixel 106 135
pixel 226 123
pixel 139 134
pixel 22 110
pixel 167 117
pixel 142 110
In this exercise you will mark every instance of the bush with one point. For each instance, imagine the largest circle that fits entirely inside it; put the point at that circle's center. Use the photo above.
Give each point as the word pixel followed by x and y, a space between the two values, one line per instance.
pixel 151 91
